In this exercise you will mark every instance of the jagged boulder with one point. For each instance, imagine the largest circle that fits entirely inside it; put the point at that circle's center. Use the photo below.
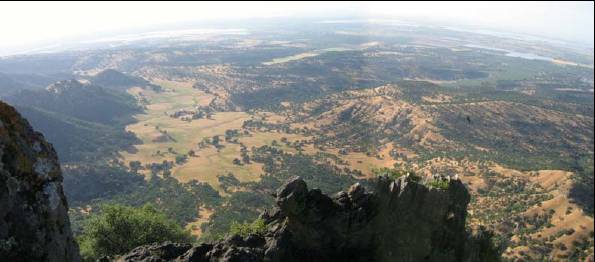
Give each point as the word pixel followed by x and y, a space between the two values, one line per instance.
pixel 401 220
pixel 34 224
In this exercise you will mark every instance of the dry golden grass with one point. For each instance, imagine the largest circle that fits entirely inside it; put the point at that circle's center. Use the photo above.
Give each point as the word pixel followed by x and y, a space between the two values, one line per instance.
pixel 566 215
pixel 209 162
pixel 364 163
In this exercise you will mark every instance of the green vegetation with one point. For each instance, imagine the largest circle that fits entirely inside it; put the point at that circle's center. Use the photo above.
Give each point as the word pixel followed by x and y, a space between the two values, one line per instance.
pixel 115 79
pixel 257 227
pixel 239 206
pixel 84 123
pixel 169 196
pixel 113 185
pixel 228 181
pixel 255 197
pixel 181 159
pixel 118 229
pixel 395 173
pixel 439 184
pixel 582 188
pixel 86 183
pixel 76 139
pixel 204 194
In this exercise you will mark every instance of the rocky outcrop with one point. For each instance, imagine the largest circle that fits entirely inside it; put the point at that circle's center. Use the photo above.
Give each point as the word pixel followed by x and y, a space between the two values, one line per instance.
pixel 34 224
pixel 401 220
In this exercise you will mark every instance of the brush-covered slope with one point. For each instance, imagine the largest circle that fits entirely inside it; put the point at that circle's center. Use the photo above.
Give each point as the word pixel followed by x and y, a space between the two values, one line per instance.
pixel 111 78
pixel 80 120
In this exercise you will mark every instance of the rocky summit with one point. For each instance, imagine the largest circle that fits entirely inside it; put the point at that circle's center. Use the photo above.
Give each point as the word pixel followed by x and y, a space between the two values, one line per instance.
pixel 34 224
pixel 400 220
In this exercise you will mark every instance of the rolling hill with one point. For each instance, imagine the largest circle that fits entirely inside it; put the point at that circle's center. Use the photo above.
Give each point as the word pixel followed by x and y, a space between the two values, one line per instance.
pixel 82 121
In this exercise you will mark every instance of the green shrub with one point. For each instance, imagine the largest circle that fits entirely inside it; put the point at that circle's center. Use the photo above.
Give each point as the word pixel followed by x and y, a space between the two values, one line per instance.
pixel 257 227
pixel 181 159
pixel 439 183
pixel 118 229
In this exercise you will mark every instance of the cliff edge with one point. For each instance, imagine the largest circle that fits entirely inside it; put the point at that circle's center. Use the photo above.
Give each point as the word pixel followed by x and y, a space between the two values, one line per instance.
pixel 34 224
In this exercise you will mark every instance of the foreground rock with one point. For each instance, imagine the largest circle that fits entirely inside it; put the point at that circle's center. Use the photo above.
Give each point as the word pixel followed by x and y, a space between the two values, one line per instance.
pixel 400 221
pixel 34 224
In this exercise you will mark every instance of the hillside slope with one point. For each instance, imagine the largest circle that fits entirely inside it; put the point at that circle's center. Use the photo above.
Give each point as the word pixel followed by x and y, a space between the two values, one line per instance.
pixel 82 121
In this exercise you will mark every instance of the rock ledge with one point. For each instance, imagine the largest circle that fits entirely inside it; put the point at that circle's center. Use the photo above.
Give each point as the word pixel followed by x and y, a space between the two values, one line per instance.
pixel 400 221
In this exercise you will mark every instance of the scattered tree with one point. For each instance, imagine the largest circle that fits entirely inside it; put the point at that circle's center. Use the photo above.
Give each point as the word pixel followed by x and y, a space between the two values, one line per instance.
pixel 181 159
pixel 135 166
pixel 118 229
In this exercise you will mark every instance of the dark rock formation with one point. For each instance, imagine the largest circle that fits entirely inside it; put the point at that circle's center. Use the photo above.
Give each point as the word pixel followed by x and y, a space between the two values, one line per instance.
pixel 399 221
pixel 34 224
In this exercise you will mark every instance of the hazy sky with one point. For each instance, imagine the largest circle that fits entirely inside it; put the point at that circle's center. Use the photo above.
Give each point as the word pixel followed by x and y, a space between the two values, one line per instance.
pixel 25 25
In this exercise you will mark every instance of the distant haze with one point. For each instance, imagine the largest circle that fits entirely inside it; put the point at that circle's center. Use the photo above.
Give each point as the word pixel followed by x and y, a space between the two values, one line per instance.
pixel 25 26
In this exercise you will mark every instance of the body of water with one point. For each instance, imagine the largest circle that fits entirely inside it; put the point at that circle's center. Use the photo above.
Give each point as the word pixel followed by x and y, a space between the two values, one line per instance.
pixel 529 56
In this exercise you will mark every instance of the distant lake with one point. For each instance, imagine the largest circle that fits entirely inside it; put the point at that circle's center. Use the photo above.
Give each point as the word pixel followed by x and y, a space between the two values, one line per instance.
pixel 528 56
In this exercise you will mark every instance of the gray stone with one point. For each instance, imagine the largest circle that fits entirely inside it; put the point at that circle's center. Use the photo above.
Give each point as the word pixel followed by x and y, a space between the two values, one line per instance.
pixel 34 224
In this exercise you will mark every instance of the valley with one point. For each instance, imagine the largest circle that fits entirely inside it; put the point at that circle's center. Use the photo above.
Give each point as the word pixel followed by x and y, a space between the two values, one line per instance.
pixel 206 130
pixel 166 138
pixel 546 190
